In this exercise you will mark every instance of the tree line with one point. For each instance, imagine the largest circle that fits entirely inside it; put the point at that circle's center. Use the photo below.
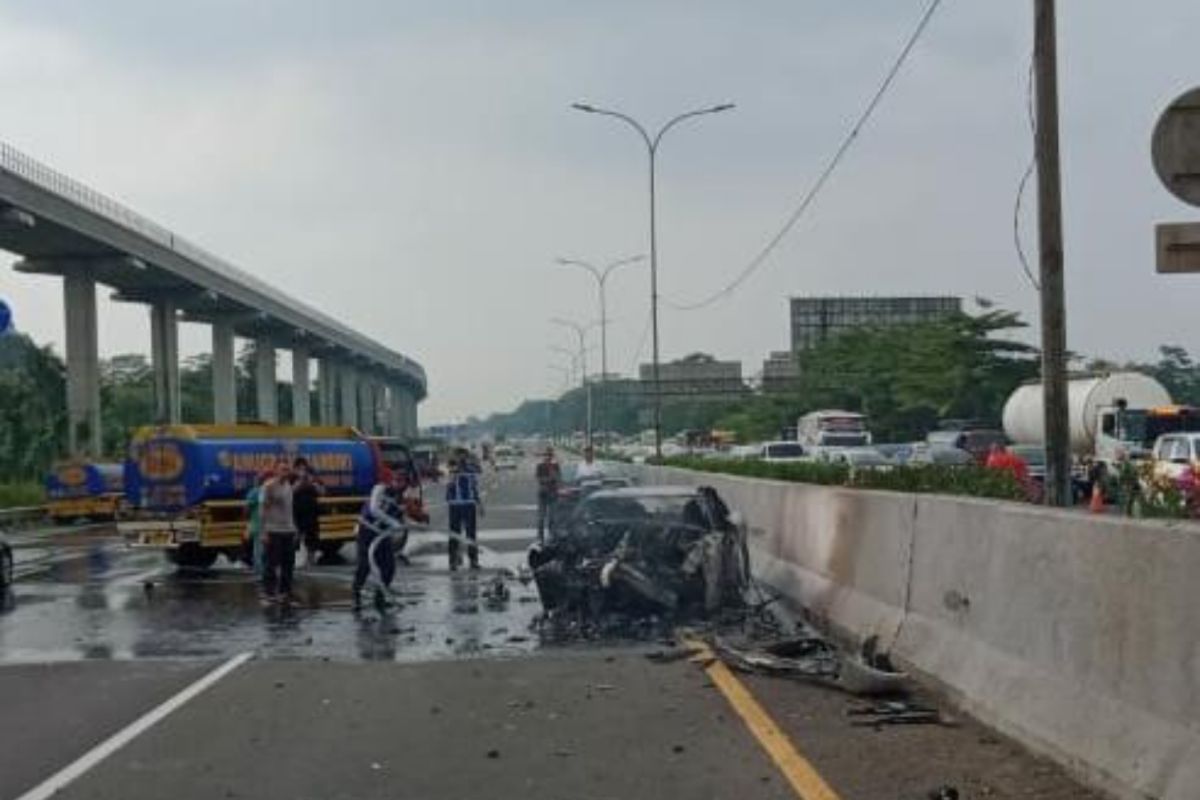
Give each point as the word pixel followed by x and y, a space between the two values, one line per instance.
pixel 906 378
pixel 33 419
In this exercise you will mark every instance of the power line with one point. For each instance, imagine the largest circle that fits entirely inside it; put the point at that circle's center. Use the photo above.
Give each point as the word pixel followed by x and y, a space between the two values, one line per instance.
pixel 1025 182
pixel 838 155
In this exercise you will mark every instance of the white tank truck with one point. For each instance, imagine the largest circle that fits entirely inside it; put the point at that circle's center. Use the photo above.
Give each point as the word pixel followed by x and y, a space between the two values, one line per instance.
pixel 1113 414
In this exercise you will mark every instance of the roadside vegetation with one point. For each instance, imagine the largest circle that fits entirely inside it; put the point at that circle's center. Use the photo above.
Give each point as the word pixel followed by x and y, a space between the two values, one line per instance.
pixel 20 495
pixel 921 478
pixel 33 423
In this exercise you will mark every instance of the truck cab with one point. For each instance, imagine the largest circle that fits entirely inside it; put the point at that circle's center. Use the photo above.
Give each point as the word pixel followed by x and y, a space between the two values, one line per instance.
pixel 833 428
pixel 1135 432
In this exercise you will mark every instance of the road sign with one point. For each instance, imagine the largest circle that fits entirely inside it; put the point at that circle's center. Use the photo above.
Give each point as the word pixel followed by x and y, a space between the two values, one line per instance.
pixel 1175 147
pixel 1178 245
pixel 5 318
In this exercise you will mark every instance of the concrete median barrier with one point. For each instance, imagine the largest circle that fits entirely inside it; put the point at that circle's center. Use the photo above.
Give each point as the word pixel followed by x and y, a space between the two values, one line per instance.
pixel 1078 635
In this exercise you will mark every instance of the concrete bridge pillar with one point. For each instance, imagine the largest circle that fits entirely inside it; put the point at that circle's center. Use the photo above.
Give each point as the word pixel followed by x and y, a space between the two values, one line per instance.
pixel 348 381
pixel 265 390
pixel 411 423
pixel 164 355
pixel 224 373
pixel 396 411
pixel 301 396
pixel 366 404
pixel 83 364
pixel 326 391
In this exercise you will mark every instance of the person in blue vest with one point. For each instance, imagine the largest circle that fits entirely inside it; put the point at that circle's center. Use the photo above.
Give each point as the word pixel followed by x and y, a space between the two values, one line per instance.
pixel 462 500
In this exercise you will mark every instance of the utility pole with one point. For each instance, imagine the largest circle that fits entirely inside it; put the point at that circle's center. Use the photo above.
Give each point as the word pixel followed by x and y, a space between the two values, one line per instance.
pixel 1053 304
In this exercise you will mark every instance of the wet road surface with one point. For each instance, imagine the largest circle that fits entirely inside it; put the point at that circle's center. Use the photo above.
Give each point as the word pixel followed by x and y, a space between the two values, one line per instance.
pixel 96 636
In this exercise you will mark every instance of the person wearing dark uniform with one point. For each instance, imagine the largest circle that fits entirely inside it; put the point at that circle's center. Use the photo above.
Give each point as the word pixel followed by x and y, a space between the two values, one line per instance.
pixel 462 500
pixel 549 477
pixel 306 508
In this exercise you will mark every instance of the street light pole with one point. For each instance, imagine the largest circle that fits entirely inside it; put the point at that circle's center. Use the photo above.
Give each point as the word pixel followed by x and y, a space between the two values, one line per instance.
pixel 581 332
pixel 601 276
pixel 652 143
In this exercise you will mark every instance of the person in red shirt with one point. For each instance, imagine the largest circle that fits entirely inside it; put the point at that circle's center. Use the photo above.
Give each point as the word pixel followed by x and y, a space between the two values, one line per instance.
pixel 1003 459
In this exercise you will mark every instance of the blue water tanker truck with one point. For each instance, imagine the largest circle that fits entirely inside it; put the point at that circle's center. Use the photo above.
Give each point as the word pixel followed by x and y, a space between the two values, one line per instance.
pixel 188 483
pixel 85 490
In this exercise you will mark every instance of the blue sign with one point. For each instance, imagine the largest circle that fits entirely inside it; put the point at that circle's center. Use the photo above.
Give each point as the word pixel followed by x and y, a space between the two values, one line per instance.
pixel 5 318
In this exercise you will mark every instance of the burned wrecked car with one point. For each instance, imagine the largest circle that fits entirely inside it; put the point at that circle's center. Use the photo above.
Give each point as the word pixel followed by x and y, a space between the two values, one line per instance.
pixel 671 552
pixel 573 492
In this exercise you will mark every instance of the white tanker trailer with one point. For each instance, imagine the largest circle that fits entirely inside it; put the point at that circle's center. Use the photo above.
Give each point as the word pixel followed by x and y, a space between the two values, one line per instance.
pixel 1121 412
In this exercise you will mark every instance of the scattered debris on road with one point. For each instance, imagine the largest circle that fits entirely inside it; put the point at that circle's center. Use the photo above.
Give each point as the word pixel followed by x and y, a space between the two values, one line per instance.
pixel 896 713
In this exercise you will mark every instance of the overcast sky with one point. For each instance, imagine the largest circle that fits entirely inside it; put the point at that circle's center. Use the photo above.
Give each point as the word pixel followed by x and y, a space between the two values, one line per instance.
pixel 414 167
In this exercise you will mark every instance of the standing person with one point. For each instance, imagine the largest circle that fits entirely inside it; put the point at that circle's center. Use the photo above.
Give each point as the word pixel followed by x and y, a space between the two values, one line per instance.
pixel 382 516
pixel 306 508
pixel 549 476
pixel 588 468
pixel 279 527
pixel 462 499
pixel 254 534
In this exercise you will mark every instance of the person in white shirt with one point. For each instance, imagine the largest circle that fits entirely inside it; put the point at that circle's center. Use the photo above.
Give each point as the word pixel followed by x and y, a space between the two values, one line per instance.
pixel 588 468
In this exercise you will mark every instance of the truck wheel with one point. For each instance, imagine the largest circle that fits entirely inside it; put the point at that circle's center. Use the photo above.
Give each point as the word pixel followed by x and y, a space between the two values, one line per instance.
pixel 331 552
pixel 192 556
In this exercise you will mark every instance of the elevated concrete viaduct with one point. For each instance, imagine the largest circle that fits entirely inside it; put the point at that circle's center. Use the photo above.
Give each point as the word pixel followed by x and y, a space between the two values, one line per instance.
pixel 63 228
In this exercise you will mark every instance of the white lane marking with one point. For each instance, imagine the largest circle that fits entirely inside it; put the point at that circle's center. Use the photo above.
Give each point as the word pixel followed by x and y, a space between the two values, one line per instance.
pixel 77 768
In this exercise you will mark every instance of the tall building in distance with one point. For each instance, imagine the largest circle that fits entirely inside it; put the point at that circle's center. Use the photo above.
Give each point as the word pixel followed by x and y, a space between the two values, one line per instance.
pixel 815 319
pixel 781 372
pixel 699 376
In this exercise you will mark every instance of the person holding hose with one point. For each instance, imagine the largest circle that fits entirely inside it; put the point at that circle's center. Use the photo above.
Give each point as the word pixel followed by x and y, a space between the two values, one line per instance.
pixel 462 499
pixel 382 517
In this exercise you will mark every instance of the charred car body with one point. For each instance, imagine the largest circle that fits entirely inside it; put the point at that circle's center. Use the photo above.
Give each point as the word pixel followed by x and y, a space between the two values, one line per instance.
pixel 671 552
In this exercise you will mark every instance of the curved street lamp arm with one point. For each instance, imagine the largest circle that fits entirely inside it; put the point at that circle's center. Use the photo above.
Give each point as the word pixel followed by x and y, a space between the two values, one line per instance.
pixel 686 115
pixel 637 126
pixel 571 262
pixel 624 262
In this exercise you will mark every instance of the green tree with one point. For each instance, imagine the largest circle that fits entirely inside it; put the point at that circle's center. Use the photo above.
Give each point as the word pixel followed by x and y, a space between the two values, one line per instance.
pixel 32 409
pixel 906 378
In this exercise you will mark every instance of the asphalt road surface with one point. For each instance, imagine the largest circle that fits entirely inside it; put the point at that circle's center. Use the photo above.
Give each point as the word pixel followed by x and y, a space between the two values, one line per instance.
pixel 121 679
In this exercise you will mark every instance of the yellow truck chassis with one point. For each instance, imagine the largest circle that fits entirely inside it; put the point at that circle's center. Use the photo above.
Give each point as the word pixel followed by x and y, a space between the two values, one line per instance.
pixel 194 538
pixel 109 506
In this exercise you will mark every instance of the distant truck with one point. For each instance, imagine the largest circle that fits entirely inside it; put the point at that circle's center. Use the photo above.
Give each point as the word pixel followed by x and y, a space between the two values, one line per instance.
pixel 91 490
pixel 1113 414
pixel 832 428
pixel 188 483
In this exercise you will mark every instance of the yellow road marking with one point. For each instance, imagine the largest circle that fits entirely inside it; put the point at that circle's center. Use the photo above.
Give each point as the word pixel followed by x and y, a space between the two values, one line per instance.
pixel 804 778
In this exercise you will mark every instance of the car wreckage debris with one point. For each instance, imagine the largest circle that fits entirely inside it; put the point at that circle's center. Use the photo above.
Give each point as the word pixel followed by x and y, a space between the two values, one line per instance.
pixel 641 563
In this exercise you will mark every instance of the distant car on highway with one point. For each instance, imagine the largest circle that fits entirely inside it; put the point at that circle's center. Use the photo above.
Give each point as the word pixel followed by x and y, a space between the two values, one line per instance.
pixel 857 458
pixel 6 564
pixel 1175 453
pixel 782 452
pixel 898 453
pixel 506 459
pixel 940 454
